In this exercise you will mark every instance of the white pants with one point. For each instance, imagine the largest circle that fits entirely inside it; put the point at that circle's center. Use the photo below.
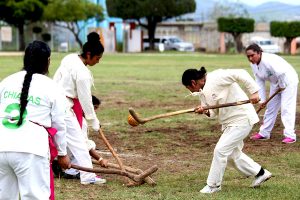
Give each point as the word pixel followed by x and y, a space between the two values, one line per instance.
pixel 229 148
pixel 24 174
pixel 286 101
pixel 77 146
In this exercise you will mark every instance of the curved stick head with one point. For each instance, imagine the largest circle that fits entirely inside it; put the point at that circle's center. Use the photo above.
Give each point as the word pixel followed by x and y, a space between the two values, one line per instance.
pixel 146 173
pixel 132 121
pixel 136 116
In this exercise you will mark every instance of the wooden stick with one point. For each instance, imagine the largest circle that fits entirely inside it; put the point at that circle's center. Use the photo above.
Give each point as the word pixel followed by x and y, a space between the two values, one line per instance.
pixel 269 99
pixel 111 150
pixel 144 120
pixel 147 179
pixel 136 178
pixel 115 155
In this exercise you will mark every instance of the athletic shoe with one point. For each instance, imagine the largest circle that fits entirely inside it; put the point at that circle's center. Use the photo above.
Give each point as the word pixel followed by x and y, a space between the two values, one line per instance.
pixel 71 176
pixel 288 140
pixel 208 189
pixel 97 180
pixel 260 179
pixel 257 136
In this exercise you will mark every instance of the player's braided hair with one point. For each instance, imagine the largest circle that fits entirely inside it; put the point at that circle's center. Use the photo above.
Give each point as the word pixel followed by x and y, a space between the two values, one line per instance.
pixel 93 45
pixel 192 74
pixel 36 60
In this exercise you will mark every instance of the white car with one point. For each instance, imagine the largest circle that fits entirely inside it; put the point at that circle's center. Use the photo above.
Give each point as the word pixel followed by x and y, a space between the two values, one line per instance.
pixel 175 43
pixel 266 45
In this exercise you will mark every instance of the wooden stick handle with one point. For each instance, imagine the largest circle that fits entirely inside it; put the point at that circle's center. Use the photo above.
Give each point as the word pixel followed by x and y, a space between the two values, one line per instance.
pixel 269 99
pixel 111 149
pixel 226 105
pixel 142 121
pixel 169 114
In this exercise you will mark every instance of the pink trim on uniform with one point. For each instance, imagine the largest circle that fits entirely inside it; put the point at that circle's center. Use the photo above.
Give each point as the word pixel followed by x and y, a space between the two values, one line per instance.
pixel 78 111
pixel 53 154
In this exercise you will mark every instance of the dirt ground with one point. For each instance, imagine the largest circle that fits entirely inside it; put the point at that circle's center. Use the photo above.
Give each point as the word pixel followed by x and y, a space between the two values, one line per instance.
pixel 188 152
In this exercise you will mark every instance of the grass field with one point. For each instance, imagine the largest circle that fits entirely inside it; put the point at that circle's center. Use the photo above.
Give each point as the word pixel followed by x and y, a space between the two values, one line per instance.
pixel 182 145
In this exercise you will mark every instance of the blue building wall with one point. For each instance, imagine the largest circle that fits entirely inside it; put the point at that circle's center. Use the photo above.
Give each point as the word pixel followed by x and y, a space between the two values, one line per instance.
pixel 104 24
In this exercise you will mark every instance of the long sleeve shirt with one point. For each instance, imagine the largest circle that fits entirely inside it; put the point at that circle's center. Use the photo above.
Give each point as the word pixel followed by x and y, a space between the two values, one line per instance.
pixel 76 80
pixel 274 69
pixel 46 107
pixel 222 87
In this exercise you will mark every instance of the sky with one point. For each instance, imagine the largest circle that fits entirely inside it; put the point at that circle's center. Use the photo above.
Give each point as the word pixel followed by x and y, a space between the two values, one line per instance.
pixel 258 2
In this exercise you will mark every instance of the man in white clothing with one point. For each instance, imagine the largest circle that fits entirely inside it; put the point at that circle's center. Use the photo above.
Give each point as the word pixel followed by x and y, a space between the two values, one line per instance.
pixel 219 87
pixel 280 74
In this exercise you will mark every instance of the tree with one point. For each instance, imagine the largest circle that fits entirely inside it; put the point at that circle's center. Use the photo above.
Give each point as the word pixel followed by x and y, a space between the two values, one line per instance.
pixel 289 30
pixel 21 12
pixel 148 13
pixel 236 27
pixel 69 13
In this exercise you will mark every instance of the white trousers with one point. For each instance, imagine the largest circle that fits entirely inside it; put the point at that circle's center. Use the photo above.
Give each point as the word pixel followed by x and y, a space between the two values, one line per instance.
pixel 287 102
pixel 24 174
pixel 229 148
pixel 77 146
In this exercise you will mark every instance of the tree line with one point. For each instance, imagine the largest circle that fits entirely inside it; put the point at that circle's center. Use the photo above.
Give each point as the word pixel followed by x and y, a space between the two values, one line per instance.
pixel 75 14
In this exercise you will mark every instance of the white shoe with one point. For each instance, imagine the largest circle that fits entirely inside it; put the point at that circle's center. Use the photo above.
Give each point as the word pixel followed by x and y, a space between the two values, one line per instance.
pixel 208 190
pixel 97 180
pixel 259 180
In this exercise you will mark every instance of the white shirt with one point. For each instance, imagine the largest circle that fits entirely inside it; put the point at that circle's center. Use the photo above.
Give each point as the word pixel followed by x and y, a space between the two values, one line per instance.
pixel 46 106
pixel 275 69
pixel 76 80
pixel 222 87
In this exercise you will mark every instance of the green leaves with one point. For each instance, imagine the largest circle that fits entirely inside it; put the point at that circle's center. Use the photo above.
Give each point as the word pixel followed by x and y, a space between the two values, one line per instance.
pixel 20 11
pixel 235 25
pixel 136 9
pixel 285 29
pixel 72 11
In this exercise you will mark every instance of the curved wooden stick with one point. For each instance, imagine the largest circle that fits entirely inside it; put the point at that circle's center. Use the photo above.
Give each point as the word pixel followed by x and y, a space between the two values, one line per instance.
pixel 136 178
pixel 147 179
pixel 269 99
pixel 144 120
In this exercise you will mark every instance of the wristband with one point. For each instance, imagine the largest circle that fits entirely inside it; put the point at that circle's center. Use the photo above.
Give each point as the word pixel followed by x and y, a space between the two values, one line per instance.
pixel 100 159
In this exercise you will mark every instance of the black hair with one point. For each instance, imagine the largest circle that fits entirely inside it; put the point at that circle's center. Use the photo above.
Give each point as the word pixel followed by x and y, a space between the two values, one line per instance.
pixel 254 47
pixel 95 100
pixel 93 45
pixel 36 60
pixel 192 74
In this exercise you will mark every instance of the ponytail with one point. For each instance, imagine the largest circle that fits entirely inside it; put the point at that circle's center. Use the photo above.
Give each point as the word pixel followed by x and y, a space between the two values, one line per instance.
pixel 24 96
pixel 93 45
pixel 36 60
pixel 192 74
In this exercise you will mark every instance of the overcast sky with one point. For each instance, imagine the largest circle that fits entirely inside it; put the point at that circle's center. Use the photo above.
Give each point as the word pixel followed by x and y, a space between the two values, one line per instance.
pixel 258 2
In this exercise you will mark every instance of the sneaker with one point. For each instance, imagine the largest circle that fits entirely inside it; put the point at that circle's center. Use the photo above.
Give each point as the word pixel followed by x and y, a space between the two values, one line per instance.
pixel 208 189
pixel 257 136
pixel 71 176
pixel 288 140
pixel 97 180
pixel 259 180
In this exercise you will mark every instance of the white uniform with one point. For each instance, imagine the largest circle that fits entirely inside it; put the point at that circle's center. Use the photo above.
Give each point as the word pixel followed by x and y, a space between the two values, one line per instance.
pixel 280 74
pixel 237 121
pixel 24 150
pixel 76 80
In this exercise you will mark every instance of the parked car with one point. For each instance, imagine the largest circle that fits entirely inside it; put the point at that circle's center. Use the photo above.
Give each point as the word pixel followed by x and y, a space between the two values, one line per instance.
pixel 176 43
pixel 169 43
pixel 267 45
